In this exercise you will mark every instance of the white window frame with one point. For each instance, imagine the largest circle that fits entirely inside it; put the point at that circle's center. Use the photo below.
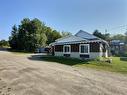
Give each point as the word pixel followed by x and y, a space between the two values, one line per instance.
pixel 64 49
pixel 84 45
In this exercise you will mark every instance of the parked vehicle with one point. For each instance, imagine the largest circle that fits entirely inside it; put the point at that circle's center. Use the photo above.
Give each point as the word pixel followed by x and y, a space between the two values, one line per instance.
pixel 42 50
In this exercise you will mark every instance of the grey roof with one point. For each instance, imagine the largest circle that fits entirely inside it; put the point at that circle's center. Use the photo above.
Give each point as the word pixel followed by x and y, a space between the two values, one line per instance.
pixel 80 37
pixel 86 35
pixel 70 39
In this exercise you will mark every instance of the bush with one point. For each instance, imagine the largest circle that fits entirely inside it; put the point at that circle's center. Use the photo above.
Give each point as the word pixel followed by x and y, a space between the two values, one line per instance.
pixel 4 43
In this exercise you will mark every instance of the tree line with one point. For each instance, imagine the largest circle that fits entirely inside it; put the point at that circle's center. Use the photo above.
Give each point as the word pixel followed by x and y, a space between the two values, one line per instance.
pixel 109 37
pixel 32 34
pixel 4 43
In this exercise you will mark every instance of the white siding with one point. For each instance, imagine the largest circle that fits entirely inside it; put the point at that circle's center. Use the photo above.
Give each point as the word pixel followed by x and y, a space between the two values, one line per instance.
pixel 58 53
pixel 94 55
pixel 77 54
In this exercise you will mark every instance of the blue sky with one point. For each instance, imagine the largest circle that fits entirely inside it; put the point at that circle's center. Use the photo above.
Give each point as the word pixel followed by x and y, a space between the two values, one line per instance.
pixel 65 15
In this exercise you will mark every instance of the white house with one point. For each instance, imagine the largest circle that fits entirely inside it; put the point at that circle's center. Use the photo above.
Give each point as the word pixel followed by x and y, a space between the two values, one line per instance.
pixel 81 45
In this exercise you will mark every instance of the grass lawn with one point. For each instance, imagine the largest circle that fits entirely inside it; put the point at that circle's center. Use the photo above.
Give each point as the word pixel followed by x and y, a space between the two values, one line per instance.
pixel 117 65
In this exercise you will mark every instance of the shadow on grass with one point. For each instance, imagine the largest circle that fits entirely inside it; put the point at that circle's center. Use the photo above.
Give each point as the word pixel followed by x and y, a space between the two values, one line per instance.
pixel 61 60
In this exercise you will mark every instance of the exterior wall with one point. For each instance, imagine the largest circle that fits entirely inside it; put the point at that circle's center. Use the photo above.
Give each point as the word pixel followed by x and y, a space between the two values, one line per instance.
pixel 95 51
pixel 77 54
pixel 94 55
pixel 58 53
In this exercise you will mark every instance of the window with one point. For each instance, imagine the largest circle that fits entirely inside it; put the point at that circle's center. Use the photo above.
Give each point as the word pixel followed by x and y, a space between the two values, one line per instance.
pixel 59 48
pixel 66 49
pixel 84 48
pixel 75 48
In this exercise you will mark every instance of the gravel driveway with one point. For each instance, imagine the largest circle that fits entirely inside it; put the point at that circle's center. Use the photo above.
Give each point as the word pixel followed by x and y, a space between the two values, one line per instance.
pixel 20 75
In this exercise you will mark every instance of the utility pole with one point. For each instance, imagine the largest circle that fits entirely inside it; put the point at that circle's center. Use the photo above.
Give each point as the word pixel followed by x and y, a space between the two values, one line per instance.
pixel 126 33
pixel 105 31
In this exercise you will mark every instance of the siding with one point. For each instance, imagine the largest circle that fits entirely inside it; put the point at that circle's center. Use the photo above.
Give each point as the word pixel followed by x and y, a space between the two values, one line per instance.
pixel 94 47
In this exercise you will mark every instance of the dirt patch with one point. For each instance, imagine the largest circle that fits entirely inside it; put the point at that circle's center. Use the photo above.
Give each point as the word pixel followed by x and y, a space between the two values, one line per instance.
pixel 4 88
pixel 21 76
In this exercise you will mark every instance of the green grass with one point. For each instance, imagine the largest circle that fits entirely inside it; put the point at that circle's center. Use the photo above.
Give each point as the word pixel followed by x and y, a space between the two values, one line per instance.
pixel 117 65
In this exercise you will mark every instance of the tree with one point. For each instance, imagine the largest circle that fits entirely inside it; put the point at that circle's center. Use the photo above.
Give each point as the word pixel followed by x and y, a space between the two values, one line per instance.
pixel 55 35
pixel 102 36
pixel 49 35
pixel 29 35
pixel 4 43
pixel 13 39
pixel 64 34
pixel 38 31
pixel 118 37
pixel 98 34
pixel 32 34
pixel 52 35
pixel 107 37
pixel 24 30
pixel 126 37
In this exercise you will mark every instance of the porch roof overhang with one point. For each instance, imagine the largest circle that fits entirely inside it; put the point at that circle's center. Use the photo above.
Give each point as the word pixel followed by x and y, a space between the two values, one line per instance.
pixel 79 42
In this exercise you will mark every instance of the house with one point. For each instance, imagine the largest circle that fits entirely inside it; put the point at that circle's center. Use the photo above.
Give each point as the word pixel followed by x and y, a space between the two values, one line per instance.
pixel 117 47
pixel 82 45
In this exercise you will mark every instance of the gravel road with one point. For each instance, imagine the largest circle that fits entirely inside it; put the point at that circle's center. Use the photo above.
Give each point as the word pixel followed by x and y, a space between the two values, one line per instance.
pixel 20 75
